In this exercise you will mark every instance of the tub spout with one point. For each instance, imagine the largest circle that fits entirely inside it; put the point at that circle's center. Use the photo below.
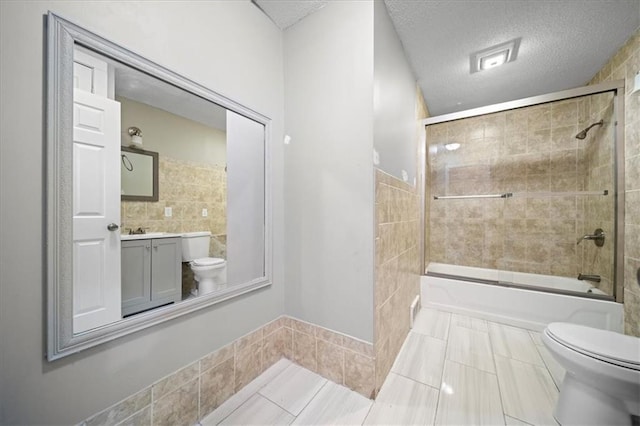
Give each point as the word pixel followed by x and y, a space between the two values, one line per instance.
pixel 597 237
pixel 594 278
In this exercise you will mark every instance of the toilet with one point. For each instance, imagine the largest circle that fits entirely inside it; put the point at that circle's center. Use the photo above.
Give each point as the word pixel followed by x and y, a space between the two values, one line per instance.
pixel 209 272
pixel 602 381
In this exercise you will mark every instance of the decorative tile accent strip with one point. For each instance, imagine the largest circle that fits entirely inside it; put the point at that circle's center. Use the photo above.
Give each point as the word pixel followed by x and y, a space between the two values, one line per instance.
pixel 191 393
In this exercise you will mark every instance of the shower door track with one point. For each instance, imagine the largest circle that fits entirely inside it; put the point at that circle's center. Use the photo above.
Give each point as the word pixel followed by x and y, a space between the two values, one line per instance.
pixel 617 87
pixel 520 286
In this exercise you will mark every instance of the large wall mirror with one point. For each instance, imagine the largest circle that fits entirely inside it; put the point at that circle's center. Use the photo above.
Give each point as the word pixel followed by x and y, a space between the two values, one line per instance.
pixel 158 200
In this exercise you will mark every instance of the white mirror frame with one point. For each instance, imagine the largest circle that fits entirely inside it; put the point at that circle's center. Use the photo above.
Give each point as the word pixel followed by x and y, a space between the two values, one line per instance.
pixel 61 341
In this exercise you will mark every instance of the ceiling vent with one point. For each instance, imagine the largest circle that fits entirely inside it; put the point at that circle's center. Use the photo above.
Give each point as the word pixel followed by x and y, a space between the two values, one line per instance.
pixel 495 56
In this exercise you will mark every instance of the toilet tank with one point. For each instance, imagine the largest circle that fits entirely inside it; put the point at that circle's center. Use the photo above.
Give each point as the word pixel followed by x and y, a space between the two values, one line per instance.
pixel 195 245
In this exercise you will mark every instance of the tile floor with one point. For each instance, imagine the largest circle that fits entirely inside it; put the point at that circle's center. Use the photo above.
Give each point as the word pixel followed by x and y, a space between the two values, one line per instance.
pixel 451 370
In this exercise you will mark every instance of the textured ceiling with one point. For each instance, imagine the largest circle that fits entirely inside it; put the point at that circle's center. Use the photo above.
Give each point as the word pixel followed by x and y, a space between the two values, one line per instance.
pixel 564 43
pixel 285 13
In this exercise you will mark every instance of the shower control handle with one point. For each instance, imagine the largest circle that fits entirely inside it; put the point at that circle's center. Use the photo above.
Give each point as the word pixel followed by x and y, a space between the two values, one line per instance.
pixel 597 237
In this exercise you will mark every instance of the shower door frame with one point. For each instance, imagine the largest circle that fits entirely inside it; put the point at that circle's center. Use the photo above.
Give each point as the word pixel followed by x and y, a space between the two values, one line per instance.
pixel 617 87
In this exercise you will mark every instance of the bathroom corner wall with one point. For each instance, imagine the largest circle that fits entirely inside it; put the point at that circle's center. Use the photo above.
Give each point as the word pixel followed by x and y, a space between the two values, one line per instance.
pixel 329 177
pixel 624 65
pixel 338 357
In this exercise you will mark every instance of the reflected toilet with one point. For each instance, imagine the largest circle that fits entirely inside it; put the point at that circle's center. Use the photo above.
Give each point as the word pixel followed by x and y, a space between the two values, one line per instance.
pixel 602 380
pixel 209 272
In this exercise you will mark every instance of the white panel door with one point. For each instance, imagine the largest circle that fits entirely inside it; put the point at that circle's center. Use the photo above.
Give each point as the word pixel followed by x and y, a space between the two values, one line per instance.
pixel 245 199
pixel 90 74
pixel 96 204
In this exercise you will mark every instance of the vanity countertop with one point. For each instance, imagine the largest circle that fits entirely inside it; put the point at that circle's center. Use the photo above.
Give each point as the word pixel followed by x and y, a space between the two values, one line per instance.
pixel 148 236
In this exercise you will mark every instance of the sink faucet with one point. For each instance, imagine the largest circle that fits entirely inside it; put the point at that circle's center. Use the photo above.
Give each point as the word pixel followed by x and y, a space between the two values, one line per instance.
pixel 138 231
pixel 594 278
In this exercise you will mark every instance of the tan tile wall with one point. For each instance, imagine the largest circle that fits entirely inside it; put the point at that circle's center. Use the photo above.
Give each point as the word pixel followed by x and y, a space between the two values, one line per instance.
pixel 187 188
pixel 397 267
pixel 624 65
pixel 335 356
pixel 520 151
pixel 191 393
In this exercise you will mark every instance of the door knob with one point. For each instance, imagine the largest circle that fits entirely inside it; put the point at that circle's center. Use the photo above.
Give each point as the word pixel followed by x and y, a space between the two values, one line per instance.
pixel 112 227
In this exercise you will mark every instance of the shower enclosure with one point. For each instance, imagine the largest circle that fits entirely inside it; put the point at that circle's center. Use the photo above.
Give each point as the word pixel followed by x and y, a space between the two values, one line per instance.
pixel 529 193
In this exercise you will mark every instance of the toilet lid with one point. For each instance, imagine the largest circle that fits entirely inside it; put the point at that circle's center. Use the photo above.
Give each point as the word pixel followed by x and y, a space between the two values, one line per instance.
pixel 605 345
pixel 208 261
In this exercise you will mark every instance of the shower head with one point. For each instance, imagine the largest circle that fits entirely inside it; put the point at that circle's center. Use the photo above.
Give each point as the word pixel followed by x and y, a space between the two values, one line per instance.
pixel 583 134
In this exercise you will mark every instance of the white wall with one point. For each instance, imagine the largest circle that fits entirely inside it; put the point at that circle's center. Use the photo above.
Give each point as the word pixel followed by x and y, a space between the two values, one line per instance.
pixel 329 186
pixel 230 47
pixel 394 100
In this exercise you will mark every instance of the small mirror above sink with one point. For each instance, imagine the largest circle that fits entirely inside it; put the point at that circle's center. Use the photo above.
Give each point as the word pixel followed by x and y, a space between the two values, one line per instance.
pixel 139 175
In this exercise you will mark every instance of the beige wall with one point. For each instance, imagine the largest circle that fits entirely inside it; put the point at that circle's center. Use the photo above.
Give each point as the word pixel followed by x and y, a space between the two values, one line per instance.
pixel 624 65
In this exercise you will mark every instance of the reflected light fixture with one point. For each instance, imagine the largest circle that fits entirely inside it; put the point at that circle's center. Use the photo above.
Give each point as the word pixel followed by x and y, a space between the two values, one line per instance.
pixel 136 137
pixel 495 56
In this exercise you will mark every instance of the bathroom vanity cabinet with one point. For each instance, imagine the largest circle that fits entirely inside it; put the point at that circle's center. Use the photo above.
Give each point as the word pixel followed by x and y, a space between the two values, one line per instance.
pixel 151 273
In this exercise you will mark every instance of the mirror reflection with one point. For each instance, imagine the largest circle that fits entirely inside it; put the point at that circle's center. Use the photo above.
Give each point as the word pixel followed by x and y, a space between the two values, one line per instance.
pixel 120 263
pixel 189 215
pixel 170 242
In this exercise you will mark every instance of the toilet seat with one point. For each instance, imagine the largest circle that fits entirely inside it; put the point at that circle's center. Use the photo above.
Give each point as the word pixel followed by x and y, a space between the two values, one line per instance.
pixel 207 261
pixel 607 346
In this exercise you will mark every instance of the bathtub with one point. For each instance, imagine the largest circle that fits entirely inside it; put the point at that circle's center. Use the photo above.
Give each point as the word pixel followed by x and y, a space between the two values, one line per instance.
pixel 516 298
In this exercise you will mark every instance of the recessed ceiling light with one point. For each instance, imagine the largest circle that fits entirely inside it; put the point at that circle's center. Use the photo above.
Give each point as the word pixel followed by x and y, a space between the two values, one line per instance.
pixel 495 56
pixel 452 146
